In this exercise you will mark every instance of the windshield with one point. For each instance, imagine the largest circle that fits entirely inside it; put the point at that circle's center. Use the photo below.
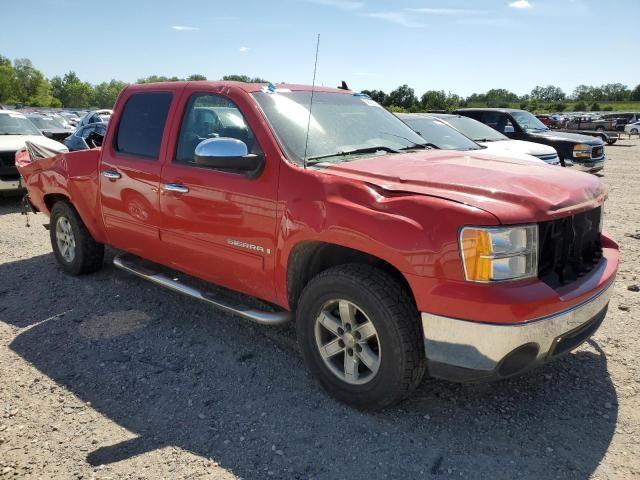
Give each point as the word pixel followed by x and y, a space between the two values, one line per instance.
pixel 339 123
pixel 16 124
pixel 475 130
pixel 440 134
pixel 46 123
pixel 527 121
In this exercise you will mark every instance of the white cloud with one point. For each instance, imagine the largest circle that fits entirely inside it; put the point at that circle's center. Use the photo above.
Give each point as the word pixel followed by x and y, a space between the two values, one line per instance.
pixel 244 49
pixel 399 18
pixel 184 28
pixel 520 4
pixel 447 11
pixel 343 4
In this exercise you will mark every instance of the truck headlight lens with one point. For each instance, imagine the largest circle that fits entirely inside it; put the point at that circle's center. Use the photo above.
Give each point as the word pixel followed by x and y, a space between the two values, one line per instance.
pixel 499 253
pixel 582 150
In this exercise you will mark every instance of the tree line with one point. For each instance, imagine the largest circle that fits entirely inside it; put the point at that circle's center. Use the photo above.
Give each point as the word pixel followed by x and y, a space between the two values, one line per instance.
pixel 23 84
pixel 550 97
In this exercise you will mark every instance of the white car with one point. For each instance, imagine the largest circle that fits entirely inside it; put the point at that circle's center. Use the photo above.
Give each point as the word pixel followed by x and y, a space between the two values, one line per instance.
pixel 633 128
pixel 15 129
pixel 497 142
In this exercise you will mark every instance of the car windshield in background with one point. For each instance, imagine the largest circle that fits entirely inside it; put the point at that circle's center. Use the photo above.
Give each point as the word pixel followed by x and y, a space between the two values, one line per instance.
pixel 528 121
pixel 440 134
pixel 16 124
pixel 339 124
pixel 475 130
pixel 45 123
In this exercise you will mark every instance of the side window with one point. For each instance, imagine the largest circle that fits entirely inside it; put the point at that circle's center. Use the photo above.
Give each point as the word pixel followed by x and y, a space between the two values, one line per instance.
pixel 86 131
pixel 498 121
pixel 142 124
pixel 211 116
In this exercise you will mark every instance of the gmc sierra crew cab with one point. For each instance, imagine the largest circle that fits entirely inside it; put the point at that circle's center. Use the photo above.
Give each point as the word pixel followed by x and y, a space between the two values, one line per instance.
pixel 394 258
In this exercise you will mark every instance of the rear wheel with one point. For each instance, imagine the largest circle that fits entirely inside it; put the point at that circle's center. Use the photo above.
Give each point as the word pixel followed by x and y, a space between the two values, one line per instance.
pixel 73 246
pixel 360 335
pixel 634 131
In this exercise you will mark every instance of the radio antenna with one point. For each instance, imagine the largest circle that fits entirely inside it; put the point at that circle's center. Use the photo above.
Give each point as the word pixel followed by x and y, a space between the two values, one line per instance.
pixel 313 87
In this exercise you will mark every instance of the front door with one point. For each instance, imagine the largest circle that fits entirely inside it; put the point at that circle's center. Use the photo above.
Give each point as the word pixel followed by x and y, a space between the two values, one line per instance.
pixel 219 225
pixel 130 173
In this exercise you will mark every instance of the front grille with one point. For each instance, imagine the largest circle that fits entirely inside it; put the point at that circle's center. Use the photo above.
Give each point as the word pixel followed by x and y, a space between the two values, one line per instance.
pixel 569 248
pixel 597 152
pixel 8 163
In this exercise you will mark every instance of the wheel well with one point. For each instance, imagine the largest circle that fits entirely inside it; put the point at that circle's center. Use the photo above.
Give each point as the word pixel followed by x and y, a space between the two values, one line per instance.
pixel 308 259
pixel 52 198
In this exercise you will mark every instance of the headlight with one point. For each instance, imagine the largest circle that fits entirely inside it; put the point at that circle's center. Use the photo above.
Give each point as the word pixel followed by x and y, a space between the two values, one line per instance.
pixel 499 253
pixel 582 150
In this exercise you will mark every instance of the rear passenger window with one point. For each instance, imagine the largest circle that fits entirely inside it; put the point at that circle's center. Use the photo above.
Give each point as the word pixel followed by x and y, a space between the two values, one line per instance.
pixel 142 124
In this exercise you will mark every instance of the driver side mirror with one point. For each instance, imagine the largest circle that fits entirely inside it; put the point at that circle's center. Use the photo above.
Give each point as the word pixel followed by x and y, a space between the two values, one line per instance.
pixel 228 154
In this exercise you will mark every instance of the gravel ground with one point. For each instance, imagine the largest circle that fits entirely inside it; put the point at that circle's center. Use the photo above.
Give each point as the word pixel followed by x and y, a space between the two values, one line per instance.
pixel 107 376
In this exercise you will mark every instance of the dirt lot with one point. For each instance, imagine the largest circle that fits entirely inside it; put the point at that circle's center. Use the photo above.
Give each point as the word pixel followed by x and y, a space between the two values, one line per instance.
pixel 107 376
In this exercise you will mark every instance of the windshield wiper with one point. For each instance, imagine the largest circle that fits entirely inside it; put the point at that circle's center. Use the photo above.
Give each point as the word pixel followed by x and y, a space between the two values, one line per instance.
pixel 486 139
pixel 424 146
pixel 355 152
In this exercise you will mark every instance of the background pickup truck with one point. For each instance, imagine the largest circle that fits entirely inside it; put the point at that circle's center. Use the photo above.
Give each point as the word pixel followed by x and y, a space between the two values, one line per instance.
pixel 393 257
pixel 584 152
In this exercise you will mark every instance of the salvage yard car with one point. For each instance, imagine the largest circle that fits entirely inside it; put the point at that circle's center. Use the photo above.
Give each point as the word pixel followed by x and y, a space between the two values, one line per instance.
pixel 495 142
pixel 585 152
pixel 394 258
pixel 15 129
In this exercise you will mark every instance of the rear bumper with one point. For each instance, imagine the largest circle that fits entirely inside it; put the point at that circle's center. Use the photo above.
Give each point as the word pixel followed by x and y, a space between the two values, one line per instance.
pixel 463 350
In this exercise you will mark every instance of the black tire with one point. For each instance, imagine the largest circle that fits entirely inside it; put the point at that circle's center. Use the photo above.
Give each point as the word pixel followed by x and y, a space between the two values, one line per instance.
pixel 88 254
pixel 393 313
pixel 634 131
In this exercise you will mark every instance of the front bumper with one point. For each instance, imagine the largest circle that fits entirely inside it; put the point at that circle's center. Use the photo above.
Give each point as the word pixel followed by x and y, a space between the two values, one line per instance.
pixel 463 350
pixel 589 166
pixel 11 185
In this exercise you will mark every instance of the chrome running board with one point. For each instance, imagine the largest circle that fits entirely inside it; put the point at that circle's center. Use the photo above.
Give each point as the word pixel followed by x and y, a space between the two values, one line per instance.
pixel 131 264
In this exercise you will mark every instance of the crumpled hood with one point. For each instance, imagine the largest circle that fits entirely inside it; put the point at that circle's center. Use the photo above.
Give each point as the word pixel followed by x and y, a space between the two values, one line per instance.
pixel 16 142
pixel 512 190
pixel 568 137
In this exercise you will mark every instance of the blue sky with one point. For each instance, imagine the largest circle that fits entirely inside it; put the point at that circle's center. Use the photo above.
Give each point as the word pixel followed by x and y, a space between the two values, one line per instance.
pixel 461 46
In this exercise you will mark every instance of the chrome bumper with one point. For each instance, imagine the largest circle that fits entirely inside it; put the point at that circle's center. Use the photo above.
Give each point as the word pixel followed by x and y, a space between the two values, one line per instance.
pixel 466 350
pixel 590 166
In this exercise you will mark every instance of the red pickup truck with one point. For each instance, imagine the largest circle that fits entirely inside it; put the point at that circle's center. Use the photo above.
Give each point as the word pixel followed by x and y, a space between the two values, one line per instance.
pixel 394 257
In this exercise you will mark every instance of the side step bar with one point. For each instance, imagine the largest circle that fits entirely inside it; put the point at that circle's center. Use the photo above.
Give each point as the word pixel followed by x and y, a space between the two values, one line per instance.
pixel 128 263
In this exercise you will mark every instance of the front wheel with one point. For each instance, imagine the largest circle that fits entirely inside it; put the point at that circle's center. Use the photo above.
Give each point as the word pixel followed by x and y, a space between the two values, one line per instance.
pixel 73 246
pixel 634 131
pixel 360 336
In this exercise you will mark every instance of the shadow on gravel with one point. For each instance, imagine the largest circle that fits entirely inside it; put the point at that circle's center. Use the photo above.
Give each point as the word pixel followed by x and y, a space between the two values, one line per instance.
pixel 177 373
pixel 10 204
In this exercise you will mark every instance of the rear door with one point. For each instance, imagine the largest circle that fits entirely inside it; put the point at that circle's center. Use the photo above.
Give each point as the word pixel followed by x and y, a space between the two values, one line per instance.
pixel 130 170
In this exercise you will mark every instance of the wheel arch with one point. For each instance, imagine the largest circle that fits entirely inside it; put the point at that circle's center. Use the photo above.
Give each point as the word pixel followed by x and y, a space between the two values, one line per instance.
pixel 309 258
pixel 93 224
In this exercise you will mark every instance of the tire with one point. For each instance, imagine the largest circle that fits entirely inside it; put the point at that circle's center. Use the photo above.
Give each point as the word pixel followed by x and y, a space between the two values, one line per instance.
pixel 83 254
pixel 634 131
pixel 375 298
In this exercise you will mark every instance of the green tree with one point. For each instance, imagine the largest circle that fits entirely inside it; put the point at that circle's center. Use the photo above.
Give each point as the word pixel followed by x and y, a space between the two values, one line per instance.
pixel 158 78
pixel 196 76
pixel 71 91
pixel 6 80
pixel 615 92
pixel 29 83
pixel 635 94
pixel 595 107
pixel 500 97
pixel 403 96
pixel 548 94
pixel 434 100
pixel 580 106
pixel 105 94
pixel 559 107
pixel 244 78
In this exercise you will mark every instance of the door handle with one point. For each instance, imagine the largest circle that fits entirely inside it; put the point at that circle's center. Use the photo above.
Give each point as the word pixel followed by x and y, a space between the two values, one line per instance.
pixel 111 174
pixel 175 187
